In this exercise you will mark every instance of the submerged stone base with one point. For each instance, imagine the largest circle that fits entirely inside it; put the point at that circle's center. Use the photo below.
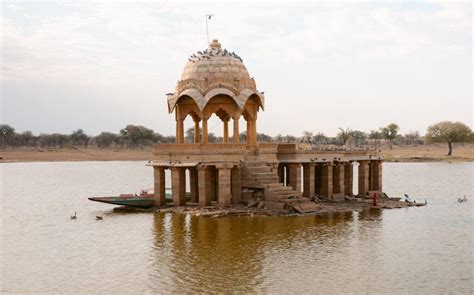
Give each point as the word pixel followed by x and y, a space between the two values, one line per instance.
pixel 263 209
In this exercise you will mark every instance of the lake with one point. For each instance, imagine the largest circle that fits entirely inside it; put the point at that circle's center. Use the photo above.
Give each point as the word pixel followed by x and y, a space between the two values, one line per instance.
pixel 420 250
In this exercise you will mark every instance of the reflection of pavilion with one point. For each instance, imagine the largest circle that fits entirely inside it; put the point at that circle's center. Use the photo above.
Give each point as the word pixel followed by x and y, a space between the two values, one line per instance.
pixel 228 254
pixel 216 81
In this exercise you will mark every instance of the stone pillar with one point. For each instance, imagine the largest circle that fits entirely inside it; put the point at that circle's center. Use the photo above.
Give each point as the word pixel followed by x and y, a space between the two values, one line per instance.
pixel 281 173
pixel 363 177
pixel 204 185
pixel 236 185
pixel 236 130
pixel 251 132
pixel 308 180
pixel 178 186
pixel 196 131
pixel 286 168
pixel 179 131
pixel 224 194
pixel 193 185
pixel 204 130
pixel 317 179
pixel 159 184
pixel 348 179
pixel 338 178
pixel 226 131
pixel 376 176
pixel 326 180
pixel 295 176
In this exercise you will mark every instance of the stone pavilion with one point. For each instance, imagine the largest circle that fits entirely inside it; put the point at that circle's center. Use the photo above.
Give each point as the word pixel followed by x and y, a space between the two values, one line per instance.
pixel 216 82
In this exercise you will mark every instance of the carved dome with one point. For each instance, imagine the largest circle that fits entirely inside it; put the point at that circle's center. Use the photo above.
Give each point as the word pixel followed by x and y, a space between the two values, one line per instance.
pixel 215 71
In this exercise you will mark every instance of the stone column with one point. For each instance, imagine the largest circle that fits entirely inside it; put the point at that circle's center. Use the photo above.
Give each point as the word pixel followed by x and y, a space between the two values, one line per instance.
pixel 251 132
pixel 236 185
pixel 226 131
pixel 204 186
pixel 193 184
pixel 281 173
pixel 204 130
pixel 338 178
pixel 317 179
pixel 196 131
pixel 178 186
pixel 224 194
pixel 348 179
pixel 236 130
pixel 326 180
pixel 308 180
pixel 376 176
pixel 179 131
pixel 159 184
pixel 295 176
pixel 363 177
pixel 287 173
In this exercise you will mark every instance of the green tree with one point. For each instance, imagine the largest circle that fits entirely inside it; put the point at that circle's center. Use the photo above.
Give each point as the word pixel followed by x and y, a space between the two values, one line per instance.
pixel 449 132
pixel 375 135
pixel 136 135
pixel 390 132
pixel 26 138
pixel 189 135
pixel 307 137
pixel 6 131
pixel 357 137
pixel 106 139
pixel 344 135
pixel 264 137
pixel 320 138
pixel 78 137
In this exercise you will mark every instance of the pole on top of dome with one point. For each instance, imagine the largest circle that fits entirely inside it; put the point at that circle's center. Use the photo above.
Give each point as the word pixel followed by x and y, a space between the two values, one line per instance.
pixel 208 17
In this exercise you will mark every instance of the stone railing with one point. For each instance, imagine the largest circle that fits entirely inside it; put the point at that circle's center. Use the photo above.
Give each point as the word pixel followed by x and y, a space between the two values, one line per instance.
pixel 200 146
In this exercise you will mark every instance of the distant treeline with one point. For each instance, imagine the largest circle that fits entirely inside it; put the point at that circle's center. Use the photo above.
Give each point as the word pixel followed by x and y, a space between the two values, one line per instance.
pixel 133 136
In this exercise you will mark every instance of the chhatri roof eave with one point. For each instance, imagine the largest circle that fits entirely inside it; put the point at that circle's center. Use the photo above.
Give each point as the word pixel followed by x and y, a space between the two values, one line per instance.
pixel 202 101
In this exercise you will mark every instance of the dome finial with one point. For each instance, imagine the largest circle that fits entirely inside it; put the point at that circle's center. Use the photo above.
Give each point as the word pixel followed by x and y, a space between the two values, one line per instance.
pixel 215 44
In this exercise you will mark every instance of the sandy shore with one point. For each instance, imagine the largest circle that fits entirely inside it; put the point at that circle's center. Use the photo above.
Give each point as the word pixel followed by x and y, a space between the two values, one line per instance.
pixel 422 153
pixel 429 153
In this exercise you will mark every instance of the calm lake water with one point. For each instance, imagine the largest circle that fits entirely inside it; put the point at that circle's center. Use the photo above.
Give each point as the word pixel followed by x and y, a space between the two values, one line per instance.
pixel 421 250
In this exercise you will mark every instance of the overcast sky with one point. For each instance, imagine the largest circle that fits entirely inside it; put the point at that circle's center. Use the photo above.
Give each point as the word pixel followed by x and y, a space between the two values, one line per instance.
pixel 322 66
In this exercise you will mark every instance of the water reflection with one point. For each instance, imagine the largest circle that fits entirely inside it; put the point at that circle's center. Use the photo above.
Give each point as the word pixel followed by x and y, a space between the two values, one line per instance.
pixel 198 254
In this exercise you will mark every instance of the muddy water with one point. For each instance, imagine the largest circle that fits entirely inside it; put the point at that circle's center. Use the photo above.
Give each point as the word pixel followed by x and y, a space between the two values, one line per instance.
pixel 413 250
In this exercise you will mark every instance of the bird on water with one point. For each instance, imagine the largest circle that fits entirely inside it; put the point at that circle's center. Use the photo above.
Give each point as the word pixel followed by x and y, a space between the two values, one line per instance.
pixel 99 217
pixel 74 216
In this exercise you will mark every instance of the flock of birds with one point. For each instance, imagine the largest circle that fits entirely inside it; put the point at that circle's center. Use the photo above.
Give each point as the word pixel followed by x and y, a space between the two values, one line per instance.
pixel 208 53
pixel 460 200
pixel 97 217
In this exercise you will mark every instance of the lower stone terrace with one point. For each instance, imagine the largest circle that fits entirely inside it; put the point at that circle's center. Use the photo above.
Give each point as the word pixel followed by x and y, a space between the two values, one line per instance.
pixel 224 174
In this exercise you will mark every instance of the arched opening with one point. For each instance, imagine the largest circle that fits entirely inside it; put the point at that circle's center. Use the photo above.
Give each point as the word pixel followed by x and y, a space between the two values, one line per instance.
pixel 224 108
pixel 187 116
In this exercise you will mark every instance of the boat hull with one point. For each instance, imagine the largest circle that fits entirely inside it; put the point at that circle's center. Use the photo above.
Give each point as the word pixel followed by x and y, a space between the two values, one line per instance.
pixel 142 201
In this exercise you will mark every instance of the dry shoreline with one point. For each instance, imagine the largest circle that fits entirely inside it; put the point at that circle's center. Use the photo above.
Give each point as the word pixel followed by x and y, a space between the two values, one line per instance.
pixel 422 153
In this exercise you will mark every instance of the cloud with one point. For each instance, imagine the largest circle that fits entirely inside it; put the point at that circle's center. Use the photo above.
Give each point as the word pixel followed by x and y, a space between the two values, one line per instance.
pixel 121 50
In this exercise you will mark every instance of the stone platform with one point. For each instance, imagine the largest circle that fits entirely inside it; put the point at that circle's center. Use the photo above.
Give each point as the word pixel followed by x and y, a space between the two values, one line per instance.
pixel 285 174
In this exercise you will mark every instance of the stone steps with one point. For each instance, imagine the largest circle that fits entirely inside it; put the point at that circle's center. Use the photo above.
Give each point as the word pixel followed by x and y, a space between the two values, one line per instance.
pixel 261 175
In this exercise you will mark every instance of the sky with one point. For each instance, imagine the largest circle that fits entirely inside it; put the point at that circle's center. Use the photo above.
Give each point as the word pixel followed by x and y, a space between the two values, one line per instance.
pixel 102 65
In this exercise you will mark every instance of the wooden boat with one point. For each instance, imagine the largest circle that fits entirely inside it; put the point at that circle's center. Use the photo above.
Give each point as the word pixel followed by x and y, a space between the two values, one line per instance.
pixel 129 200
pixel 143 200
